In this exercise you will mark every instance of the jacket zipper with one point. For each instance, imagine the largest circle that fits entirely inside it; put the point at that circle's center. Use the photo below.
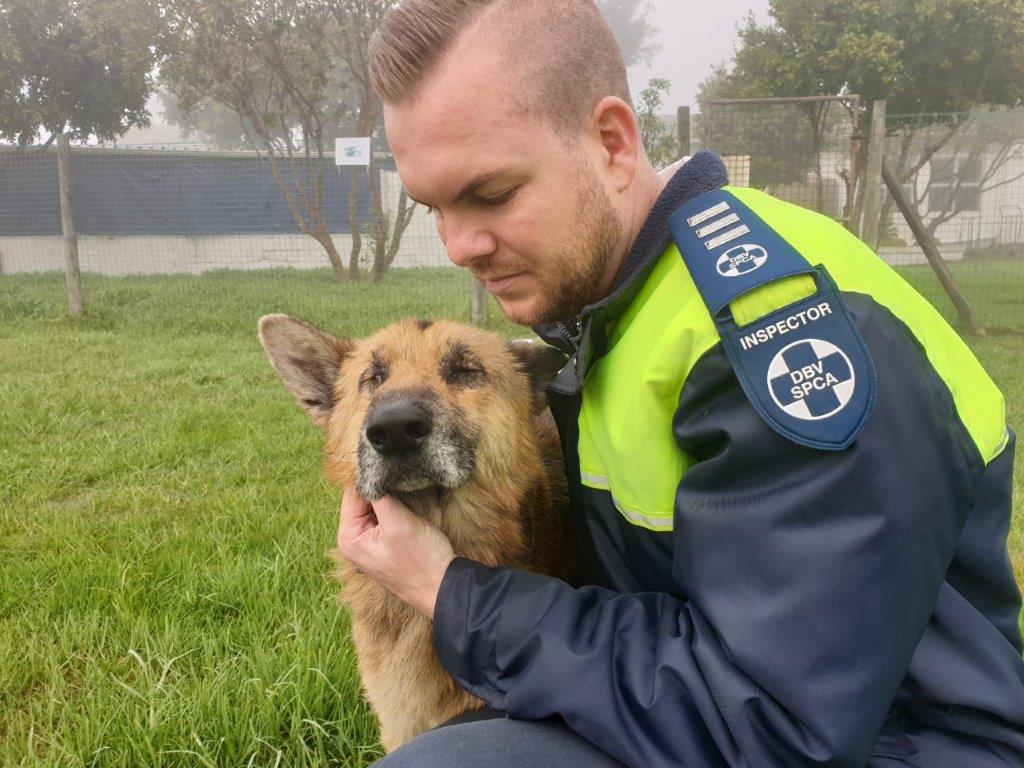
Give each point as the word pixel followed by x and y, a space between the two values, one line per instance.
pixel 574 338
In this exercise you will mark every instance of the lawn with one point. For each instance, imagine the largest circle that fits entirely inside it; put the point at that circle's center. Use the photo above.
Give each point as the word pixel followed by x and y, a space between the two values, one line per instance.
pixel 164 589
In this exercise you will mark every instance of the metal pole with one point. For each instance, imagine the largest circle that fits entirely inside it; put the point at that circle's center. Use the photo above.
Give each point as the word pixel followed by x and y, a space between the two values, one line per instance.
pixel 67 223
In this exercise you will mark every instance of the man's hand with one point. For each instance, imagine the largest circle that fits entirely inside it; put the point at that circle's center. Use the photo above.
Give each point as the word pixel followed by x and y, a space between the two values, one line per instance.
pixel 400 551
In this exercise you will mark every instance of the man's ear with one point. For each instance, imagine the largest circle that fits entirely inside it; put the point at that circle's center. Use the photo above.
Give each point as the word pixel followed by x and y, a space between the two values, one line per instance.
pixel 307 360
pixel 614 126
pixel 541 363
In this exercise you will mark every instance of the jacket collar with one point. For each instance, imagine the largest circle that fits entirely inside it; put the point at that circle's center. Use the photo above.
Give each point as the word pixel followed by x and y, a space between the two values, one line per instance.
pixel 583 337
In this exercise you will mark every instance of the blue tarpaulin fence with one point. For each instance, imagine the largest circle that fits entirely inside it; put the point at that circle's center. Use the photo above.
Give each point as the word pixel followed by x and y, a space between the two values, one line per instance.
pixel 136 192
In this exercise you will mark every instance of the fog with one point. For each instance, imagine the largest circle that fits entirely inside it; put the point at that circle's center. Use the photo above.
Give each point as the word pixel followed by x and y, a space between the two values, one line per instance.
pixel 694 36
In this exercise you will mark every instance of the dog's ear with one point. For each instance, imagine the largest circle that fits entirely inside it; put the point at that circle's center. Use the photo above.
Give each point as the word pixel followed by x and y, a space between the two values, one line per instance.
pixel 541 363
pixel 307 360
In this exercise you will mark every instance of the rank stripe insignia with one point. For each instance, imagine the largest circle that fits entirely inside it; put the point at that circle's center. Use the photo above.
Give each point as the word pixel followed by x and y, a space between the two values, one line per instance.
pixel 727 237
pixel 710 213
pixel 718 224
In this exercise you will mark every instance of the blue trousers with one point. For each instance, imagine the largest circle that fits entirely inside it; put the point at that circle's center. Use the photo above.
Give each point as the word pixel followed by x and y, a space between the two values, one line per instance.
pixel 488 738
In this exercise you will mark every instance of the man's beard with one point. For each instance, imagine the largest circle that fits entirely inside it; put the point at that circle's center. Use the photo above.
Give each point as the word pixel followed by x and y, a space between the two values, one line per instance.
pixel 583 264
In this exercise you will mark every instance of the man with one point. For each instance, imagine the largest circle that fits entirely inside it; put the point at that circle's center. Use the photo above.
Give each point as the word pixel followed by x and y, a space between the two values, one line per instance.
pixel 790 483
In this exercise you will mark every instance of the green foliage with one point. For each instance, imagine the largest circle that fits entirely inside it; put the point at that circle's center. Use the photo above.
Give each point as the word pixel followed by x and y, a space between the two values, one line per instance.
pixel 778 139
pixel 295 74
pixel 929 56
pixel 82 67
pixel 661 145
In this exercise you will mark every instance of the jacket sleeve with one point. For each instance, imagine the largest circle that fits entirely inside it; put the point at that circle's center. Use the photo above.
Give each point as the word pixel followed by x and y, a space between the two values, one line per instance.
pixel 809 578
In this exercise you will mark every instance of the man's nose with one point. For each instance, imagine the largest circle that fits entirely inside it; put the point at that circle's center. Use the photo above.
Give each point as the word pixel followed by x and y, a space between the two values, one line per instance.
pixel 467 241
pixel 398 427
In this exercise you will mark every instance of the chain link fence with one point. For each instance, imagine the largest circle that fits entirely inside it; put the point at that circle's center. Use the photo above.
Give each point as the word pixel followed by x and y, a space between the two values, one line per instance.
pixel 801 150
pixel 962 173
pixel 148 211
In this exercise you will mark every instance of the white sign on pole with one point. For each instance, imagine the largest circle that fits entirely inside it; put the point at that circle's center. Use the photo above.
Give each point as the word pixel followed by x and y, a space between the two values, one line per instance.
pixel 352 151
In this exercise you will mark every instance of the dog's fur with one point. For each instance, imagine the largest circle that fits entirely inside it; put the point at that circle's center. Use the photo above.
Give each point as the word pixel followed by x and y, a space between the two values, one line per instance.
pixel 490 476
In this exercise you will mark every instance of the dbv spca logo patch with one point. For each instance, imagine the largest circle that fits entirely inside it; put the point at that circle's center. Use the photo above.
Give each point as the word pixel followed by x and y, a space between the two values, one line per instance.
pixel 811 379
pixel 741 260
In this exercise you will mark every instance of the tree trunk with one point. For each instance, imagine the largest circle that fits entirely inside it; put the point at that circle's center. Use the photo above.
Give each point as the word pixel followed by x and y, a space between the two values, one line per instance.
pixel 382 225
pixel 322 236
pixel 353 225
pixel 67 223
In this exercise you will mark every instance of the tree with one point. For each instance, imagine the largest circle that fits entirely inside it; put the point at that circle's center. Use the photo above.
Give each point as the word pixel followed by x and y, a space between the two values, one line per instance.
pixel 978 153
pixel 209 120
pixel 630 20
pixel 294 73
pixel 662 147
pixel 933 56
pixel 74 69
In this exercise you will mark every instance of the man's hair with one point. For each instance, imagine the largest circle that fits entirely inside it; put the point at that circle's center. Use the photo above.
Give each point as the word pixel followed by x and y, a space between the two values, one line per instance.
pixel 563 51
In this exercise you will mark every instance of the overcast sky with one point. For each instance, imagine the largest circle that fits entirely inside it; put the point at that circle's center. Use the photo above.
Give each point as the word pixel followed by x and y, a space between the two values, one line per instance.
pixel 694 35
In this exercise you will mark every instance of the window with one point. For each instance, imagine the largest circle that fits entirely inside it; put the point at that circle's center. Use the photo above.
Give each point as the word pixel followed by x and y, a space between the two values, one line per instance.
pixel 955 185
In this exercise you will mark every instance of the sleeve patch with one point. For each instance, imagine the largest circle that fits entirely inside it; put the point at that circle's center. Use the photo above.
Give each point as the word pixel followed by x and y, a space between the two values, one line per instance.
pixel 805 367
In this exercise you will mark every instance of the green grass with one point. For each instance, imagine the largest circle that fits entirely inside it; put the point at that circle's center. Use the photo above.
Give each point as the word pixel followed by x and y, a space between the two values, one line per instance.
pixel 165 597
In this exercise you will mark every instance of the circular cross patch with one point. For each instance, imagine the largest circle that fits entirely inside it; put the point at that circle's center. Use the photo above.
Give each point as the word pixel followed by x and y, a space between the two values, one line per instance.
pixel 741 260
pixel 811 379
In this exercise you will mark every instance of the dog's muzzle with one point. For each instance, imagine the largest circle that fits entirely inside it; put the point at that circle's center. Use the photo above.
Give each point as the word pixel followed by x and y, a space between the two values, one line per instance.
pixel 413 441
pixel 399 428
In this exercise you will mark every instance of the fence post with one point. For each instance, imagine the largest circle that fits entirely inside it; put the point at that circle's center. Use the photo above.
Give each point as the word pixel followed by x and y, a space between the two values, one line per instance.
pixel 873 177
pixel 67 225
pixel 683 131
pixel 478 304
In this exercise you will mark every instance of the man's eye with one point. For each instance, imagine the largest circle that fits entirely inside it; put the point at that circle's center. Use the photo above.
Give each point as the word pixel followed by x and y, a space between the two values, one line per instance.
pixel 496 200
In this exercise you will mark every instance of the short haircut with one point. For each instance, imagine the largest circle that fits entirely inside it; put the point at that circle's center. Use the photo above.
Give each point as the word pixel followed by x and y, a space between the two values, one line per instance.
pixel 563 49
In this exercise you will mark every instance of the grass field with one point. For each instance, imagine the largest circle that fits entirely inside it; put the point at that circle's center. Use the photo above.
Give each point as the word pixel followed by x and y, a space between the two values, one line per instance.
pixel 164 590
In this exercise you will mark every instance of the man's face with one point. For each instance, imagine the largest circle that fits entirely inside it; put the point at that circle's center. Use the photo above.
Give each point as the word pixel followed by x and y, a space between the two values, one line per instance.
pixel 519 206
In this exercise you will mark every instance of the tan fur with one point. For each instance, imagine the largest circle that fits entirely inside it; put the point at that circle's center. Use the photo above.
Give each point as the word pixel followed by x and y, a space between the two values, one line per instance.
pixel 510 512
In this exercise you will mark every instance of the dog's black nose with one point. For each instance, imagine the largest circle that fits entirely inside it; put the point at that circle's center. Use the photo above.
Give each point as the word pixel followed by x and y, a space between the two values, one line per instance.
pixel 398 427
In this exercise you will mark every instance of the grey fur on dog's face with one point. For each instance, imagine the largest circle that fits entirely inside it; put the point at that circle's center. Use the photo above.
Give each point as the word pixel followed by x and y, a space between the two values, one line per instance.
pixel 458 401
pixel 447 459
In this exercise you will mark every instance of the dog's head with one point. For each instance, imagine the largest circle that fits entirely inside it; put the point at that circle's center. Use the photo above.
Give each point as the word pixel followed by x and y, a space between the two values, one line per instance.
pixel 419 405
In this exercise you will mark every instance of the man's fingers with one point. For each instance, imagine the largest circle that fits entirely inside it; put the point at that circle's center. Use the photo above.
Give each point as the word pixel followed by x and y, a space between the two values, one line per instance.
pixel 357 516
pixel 390 511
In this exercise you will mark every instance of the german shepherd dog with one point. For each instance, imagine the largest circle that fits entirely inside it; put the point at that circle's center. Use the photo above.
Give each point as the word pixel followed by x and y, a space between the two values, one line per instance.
pixel 452 421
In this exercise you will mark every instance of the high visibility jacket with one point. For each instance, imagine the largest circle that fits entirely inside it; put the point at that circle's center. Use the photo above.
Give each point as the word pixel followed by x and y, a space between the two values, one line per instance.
pixel 795 543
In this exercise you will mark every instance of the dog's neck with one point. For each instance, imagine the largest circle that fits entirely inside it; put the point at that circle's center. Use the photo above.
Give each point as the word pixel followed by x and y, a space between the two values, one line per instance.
pixel 483 517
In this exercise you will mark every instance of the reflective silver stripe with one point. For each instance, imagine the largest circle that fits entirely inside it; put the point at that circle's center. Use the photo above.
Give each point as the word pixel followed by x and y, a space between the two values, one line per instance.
pixel 710 213
pixel 729 236
pixel 639 518
pixel 714 226
pixel 1005 443
pixel 601 482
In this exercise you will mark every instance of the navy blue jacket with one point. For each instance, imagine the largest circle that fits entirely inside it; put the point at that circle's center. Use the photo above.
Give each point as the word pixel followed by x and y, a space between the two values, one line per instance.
pixel 810 608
